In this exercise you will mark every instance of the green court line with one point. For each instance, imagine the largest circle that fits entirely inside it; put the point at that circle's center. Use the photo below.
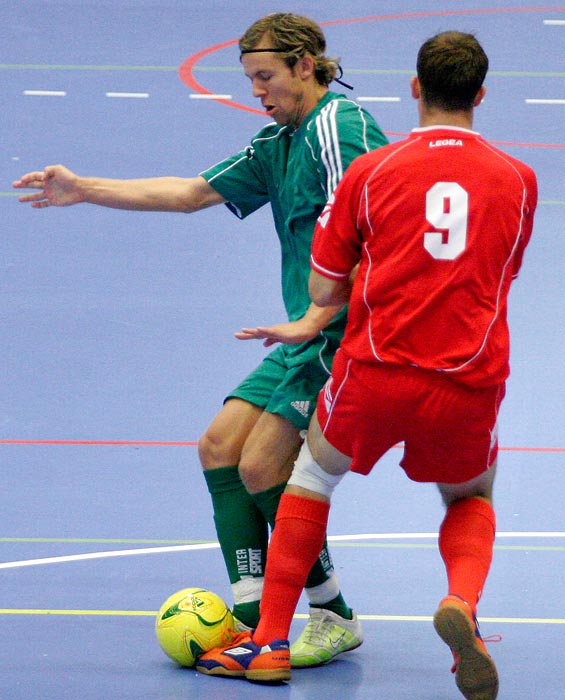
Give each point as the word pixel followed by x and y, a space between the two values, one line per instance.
pixel 353 544
pixel 503 73
pixel 234 69
pixel 395 545
pixel 379 618
pixel 425 618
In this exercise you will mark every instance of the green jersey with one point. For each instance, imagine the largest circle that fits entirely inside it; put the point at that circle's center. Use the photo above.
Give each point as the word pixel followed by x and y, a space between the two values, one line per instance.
pixel 297 172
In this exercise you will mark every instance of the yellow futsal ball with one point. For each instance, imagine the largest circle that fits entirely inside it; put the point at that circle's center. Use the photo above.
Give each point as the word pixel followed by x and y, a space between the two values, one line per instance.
pixel 190 622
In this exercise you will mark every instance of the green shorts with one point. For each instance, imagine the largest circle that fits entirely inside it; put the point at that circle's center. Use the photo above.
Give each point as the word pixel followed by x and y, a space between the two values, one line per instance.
pixel 285 386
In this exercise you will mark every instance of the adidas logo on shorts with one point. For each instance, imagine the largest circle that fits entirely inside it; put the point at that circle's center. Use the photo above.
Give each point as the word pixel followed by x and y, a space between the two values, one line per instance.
pixel 303 407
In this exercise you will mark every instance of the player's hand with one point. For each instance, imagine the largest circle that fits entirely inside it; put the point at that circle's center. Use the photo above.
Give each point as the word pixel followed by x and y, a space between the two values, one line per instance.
pixel 57 186
pixel 289 333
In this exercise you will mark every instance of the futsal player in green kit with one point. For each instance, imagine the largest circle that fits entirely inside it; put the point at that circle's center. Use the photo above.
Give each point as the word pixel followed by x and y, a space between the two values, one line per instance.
pixel 294 164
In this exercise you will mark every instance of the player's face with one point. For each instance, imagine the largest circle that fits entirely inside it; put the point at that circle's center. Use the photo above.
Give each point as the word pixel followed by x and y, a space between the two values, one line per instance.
pixel 284 93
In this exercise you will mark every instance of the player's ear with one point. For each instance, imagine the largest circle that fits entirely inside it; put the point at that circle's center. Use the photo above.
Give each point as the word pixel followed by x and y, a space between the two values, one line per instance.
pixel 415 87
pixel 480 96
pixel 306 66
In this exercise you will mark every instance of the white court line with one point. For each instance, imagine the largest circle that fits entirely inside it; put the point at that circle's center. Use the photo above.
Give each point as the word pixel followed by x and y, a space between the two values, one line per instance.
pixel 45 93
pixel 545 102
pixel 104 555
pixel 206 96
pixel 215 545
pixel 368 98
pixel 128 94
pixel 558 22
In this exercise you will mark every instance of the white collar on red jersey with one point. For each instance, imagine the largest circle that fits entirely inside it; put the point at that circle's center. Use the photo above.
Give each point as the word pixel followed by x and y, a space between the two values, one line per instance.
pixel 442 127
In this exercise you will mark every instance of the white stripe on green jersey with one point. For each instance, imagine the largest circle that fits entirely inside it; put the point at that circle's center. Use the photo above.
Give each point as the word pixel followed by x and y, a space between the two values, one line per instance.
pixel 296 172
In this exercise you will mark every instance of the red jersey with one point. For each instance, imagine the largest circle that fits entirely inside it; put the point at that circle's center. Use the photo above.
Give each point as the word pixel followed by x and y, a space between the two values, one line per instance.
pixel 439 223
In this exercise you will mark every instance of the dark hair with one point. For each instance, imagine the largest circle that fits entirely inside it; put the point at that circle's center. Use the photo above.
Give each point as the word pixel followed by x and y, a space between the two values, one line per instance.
pixel 451 69
pixel 294 37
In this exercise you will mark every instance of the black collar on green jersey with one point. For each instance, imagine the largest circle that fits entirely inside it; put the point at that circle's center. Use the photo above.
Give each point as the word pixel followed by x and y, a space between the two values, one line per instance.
pixel 337 80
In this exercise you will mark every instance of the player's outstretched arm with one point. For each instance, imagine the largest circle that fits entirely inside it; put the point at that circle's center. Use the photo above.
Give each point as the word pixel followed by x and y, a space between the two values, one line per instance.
pixel 56 185
pixel 60 187
pixel 314 320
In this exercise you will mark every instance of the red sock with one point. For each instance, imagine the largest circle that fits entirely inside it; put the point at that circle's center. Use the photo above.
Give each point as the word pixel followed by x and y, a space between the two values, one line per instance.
pixel 295 545
pixel 466 541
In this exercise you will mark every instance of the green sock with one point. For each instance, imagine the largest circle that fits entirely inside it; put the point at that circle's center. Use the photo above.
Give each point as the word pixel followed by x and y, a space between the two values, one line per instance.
pixel 268 503
pixel 337 605
pixel 322 575
pixel 248 613
pixel 243 536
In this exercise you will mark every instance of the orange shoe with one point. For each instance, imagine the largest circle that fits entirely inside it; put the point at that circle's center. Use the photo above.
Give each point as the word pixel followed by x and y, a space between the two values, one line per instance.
pixel 243 658
pixel 475 672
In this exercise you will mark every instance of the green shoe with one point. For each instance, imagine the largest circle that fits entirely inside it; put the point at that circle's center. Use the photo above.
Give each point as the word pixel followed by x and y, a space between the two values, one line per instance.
pixel 325 636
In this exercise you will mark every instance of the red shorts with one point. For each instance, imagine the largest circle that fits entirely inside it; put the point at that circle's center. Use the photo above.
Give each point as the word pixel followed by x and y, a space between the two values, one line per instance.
pixel 449 430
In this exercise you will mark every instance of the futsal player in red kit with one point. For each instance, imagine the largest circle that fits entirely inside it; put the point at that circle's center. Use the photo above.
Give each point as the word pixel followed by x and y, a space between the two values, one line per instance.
pixel 437 224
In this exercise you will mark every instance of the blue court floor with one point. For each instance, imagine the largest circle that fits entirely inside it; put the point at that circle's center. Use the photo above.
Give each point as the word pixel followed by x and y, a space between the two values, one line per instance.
pixel 117 349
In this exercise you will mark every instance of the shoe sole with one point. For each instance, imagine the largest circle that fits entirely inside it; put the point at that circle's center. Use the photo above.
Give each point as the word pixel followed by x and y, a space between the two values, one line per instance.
pixel 270 675
pixel 220 671
pixel 259 675
pixel 476 674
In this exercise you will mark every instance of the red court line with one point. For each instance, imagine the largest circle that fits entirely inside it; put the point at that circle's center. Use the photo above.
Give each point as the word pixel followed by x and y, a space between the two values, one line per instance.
pixel 192 443
pixel 187 76
pixel 142 443
pixel 186 73
pixel 443 13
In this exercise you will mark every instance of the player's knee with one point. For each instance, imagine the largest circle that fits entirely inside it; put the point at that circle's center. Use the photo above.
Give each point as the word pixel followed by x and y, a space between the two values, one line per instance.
pixel 215 449
pixel 259 474
pixel 205 451
pixel 308 474
pixel 250 474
